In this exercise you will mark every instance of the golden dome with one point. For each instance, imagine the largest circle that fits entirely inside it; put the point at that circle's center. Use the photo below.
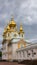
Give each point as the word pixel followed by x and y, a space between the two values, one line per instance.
pixel 8 28
pixel 12 23
pixel 5 31
pixel 21 29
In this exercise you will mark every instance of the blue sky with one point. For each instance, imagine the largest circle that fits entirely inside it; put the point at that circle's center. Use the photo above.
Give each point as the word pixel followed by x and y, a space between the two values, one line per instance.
pixel 24 11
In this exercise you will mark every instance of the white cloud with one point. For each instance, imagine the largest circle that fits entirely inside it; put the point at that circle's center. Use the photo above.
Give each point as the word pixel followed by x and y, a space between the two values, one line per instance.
pixel 23 10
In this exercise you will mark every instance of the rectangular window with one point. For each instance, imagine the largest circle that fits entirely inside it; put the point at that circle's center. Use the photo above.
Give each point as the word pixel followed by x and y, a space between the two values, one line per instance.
pixel 28 54
pixel 33 53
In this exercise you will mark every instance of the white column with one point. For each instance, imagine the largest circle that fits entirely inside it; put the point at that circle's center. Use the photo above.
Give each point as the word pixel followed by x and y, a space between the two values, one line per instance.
pixel 21 54
pixel 18 55
pixel 25 55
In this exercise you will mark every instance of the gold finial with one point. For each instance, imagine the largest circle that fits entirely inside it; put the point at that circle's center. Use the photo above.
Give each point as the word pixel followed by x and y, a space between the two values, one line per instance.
pixel 12 18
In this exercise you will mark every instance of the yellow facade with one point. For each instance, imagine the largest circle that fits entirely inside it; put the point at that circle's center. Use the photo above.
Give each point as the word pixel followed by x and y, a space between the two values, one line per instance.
pixel 21 43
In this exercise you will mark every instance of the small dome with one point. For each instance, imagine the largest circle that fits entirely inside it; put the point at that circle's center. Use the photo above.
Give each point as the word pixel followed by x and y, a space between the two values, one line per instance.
pixel 12 23
pixel 8 28
pixel 21 29
pixel 5 31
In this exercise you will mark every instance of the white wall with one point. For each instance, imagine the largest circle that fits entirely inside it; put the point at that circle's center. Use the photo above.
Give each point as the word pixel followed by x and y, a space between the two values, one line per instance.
pixel 29 53
pixel 5 51
pixel 14 48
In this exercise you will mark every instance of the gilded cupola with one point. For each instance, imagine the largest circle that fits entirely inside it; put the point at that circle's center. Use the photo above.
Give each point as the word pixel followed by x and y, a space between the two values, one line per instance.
pixel 8 28
pixel 4 33
pixel 5 30
pixel 21 29
pixel 12 23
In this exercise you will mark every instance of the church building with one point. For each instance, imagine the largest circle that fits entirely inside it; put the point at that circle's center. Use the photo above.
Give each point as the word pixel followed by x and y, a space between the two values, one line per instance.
pixel 12 39
pixel 14 47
